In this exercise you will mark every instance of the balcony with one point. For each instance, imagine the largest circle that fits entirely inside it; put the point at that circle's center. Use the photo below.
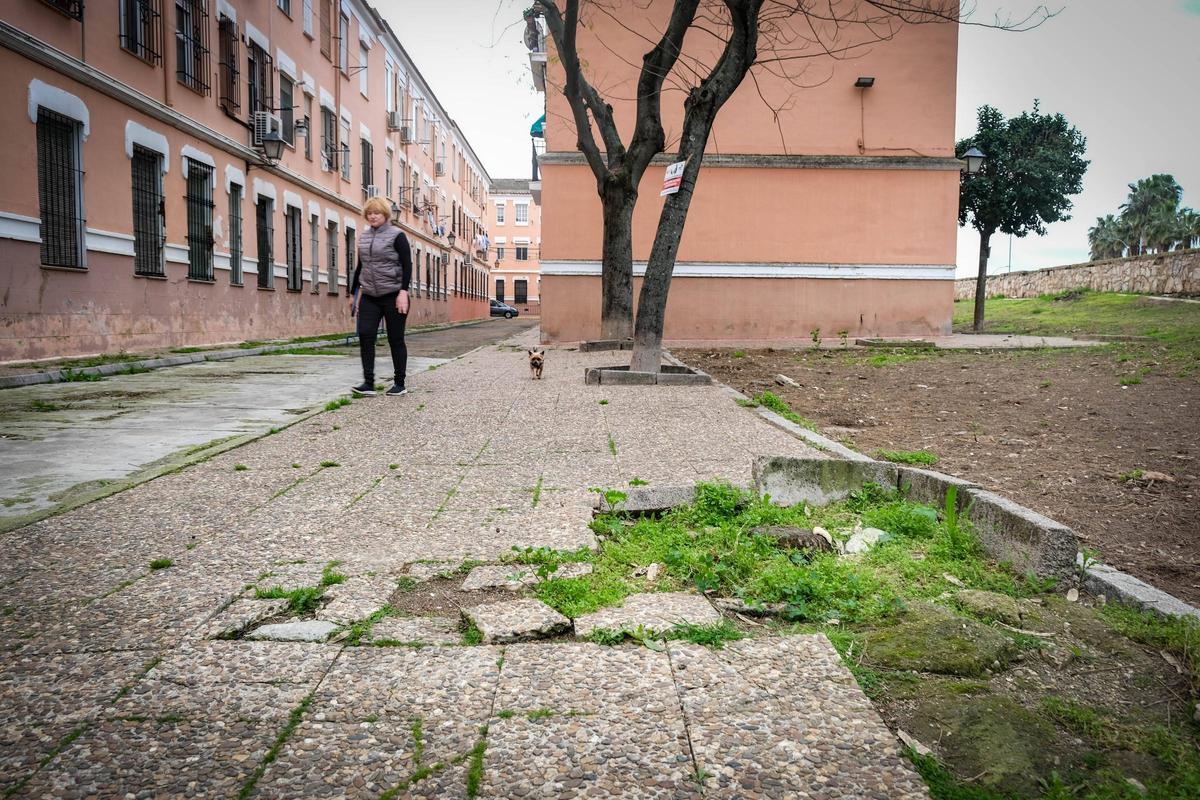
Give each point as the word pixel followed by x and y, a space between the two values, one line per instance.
pixel 535 40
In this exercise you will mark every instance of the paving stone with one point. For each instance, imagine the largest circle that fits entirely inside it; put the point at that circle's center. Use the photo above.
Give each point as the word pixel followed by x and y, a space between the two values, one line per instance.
pixel 240 616
pixel 648 500
pixel 515 576
pixel 516 620
pixel 339 759
pixel 415 630
pixel 356 598
pixel 312 630
pixel 290 577
pixel 24 747
pixel 64 688
pixel 586 678
pixel 584 756
pixel 659 612
pixel 428 570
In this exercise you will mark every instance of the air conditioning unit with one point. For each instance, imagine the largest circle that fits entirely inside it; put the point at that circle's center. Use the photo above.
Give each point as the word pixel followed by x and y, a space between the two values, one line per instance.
pixel 394 121
pixel 406 134
pixel 439 168
pixel 264 122
pixel 372 191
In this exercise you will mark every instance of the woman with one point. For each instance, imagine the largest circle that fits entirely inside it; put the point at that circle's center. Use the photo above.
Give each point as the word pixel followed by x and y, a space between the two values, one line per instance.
pixel 380 288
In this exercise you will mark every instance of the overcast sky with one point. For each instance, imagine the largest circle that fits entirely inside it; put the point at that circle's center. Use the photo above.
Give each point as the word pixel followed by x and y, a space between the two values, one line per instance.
pixel 1126 74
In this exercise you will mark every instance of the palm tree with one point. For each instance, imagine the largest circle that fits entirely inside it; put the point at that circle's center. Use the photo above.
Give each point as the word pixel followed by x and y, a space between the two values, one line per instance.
pixel 1189 227
pixel 1144 210
pixel 1108 238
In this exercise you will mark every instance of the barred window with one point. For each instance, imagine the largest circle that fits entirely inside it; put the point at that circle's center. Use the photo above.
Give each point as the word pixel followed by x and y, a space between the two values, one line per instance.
pixel 72 8
pixel 308 137
pixel 295 278
pixel 351 252
pixel 344 147
pixel 148 223
pixel 258 79
pixel 235 234
pixel 344 43
pixel 141 29
pixel 327 29
pixel 229 96
pixel 314 249
pixel 199 199
pixel 520 291
pixel 60 190
pixel 499 253
pixel 191 44
pixel 264 214
pixel 329 158
pixel 286 112
pixel 500 289
pixel 368 163
pixel 331 263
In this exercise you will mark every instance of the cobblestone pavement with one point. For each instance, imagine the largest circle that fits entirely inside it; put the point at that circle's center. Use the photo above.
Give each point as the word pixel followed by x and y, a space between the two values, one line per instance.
pixel 109 686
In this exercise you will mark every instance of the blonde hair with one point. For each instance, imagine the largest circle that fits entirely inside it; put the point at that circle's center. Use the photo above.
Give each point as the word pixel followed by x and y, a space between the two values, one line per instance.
pixel 379 204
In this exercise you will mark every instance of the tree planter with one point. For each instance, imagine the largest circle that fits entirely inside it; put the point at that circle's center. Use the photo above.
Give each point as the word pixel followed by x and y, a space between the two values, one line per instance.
pixel 668 375
pixel 598 345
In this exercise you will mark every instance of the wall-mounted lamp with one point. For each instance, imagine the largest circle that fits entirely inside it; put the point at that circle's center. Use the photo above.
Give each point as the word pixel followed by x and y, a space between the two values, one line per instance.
pixel 272 147
pixel 450 239
pixel 301 128
pixel 974 158
pixel 864 82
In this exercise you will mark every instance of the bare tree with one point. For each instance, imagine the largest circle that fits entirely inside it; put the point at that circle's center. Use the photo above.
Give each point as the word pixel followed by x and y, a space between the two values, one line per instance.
pixel 752 36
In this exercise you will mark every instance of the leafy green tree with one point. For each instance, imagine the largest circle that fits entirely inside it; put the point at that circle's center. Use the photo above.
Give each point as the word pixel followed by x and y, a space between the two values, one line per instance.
pixel 1108 238
pixel 1034 164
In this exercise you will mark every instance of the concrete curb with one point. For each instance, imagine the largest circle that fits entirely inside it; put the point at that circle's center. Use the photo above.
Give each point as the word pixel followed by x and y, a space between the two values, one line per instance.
pixel 1128 590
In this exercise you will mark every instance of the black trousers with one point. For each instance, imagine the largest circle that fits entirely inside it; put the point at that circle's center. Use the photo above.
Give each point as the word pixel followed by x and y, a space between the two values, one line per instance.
pixel 370 310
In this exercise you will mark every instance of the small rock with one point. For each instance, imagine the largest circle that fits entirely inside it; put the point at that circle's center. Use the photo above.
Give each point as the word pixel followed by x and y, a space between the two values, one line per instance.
pixel 784 380
pixel 1072 595
pixel 314 630
pixel 652 571
pixel 946 576
pixel 1137 785
pixel 913 744
pixel 1149 476
pixel 864 540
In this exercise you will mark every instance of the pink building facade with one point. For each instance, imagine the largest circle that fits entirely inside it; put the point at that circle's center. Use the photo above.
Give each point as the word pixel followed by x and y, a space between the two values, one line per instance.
pixel 840 215
pixel 516 225
pixel 141 208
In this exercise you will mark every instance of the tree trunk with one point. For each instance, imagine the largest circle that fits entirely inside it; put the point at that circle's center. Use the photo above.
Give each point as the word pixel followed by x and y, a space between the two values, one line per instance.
pixel 985 250
pixel 616 266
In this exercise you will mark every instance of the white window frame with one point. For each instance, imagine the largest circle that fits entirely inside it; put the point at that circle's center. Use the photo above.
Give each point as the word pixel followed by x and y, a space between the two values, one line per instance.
pixel 500 210
pixel 364 83
pixel 518 208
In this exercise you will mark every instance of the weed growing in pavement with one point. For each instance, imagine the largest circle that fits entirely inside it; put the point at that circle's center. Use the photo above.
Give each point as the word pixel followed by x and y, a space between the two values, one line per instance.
pixel 295 465
pixel 612 445
pixel 1132 475
pixel 537 491
pixel 334 405
pixel 636 481
pixel 393 466
pixel 738 354
pixel 506 714
pixel 331 578
pixel 815 335
pixel 161 563
pixel 775 403
pixel 540 713
pixel 844 337
pixel 362 628
pixel 418 741
pixel 240 468
pixel 471 634
pixel 603 402
pixel 475 770
pixel 328 464
pixel 745 402
pixel 300 601
pixel 280 740
pixel 75 376
pixel 908 456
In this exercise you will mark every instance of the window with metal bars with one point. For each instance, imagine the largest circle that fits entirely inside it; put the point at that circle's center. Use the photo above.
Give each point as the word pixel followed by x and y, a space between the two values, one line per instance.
pixel 191 44
pixel 351 252
pixel 264 216
pixel 229 95
pixel 141 29
pixel 72 8
pixel 314 249
pixel 500 289
pixel 199 200
pixel 308 137
pixel 295 278
pixel 60 190
pixel 344 147
pixel 235 234
pixel 332 255
pixel 344 43
pixel 368 163
pixel 520 291
pixel 329 149
pixel 258 79
pixel 327 28
pixel 287 113
pixel 148 223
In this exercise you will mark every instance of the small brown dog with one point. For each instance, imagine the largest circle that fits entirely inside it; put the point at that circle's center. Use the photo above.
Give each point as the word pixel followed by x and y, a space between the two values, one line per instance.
pixel 537 358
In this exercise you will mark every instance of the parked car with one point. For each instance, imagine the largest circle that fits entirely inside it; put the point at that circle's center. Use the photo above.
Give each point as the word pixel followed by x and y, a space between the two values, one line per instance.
pixel 503 310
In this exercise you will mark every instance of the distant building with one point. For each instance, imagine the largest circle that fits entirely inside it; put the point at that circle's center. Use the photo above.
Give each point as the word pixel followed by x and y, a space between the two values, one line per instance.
pixel 839 216
pixel 140 209
pixel 516 225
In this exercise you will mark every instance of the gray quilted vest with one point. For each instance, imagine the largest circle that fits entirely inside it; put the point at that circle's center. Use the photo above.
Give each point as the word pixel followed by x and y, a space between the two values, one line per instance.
pixel 380 270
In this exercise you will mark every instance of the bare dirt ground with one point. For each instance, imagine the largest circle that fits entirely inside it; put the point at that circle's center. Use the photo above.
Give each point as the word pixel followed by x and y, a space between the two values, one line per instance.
pixel 1054 430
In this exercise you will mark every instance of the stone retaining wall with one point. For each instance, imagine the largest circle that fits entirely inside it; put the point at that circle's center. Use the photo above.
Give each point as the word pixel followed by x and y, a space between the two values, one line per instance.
pixel 1177 272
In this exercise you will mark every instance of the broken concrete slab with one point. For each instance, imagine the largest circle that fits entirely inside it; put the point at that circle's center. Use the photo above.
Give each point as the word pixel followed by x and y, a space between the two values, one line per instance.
pixel 817 481
pixel 414 631
pixel 929 486
pixel 239 616
pixel 356 598
pixel 647 500
pixel 990 605
pixel 312 630
pixel 656 612
pixel 516 620
pixel 515 576
pixel 933 639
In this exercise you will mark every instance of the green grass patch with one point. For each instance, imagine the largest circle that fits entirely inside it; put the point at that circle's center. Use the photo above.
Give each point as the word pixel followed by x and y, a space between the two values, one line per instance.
pixel 334 405
pixel 745 402
pixel 537 491
pixel 79 376
pixel 161 563
pixel 923 457
pixel 471 634
pixel 328 464
pixel 1179 636
pixel 775 403
pixel 240 468
pixel 303 600
pixel 475 768
pixel 331 578
pixel 636 481
pixel 612 445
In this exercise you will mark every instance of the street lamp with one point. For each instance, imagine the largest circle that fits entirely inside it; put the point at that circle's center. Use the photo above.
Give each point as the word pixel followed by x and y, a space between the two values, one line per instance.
pixel 975 159
pixel 450 239
pixel 272 147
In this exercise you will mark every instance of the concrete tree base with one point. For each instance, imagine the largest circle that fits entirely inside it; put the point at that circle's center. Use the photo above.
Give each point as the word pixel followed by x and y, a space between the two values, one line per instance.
pixel 668 375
